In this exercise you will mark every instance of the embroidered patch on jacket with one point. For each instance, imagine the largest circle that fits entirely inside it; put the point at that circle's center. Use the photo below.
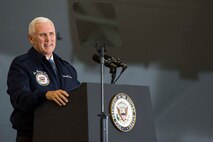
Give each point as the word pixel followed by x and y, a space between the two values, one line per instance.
pixel 67 76
pixel 42 78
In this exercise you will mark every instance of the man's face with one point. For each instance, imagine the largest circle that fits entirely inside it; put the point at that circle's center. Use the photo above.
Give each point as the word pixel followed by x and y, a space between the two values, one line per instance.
pixel 44 38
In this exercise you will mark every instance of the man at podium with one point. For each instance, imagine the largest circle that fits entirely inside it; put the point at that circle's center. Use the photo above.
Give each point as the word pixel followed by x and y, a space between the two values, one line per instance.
pixel 38 76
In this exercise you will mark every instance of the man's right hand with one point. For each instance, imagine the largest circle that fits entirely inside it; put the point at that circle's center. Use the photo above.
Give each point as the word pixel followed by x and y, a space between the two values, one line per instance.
pixel 58 96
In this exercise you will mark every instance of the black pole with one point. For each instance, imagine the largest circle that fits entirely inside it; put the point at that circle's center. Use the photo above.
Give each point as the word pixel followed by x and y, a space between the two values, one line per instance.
pixel 104 117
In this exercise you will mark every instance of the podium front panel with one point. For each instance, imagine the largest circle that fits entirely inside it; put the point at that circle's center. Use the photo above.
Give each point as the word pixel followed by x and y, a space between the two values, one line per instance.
pixel 78 121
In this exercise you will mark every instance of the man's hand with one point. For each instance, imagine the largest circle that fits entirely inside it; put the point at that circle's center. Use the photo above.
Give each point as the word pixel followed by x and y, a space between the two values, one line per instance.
pixel 58 96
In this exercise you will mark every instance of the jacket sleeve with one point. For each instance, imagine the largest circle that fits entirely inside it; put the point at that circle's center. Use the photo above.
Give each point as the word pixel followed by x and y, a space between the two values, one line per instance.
pixel 19 88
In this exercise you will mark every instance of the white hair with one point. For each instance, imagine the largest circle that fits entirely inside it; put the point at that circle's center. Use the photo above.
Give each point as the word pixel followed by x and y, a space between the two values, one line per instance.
pixel 37 20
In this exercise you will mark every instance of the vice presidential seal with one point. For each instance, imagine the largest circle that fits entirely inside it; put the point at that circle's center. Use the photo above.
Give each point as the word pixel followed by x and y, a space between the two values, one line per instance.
pixel 42 78
pixel 123 112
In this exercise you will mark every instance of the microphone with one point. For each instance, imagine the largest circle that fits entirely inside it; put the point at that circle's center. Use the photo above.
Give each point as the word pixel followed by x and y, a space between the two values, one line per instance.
pixel 117 61
pixel 107 63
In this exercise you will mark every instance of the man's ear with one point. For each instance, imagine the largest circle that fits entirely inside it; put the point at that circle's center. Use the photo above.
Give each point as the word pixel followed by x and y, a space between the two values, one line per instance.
pixel 30 38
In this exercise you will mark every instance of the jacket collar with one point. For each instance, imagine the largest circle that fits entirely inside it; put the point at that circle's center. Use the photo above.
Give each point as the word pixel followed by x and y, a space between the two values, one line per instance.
pixel 38 57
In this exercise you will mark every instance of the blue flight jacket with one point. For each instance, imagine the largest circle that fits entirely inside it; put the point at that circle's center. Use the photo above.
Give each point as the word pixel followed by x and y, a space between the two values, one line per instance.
pixel 29 78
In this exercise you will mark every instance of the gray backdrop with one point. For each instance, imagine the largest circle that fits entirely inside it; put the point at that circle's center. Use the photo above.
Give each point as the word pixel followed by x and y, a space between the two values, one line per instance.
pixel 166 44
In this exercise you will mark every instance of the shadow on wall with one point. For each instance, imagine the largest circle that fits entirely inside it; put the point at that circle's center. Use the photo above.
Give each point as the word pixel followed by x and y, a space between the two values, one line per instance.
pixel 178 38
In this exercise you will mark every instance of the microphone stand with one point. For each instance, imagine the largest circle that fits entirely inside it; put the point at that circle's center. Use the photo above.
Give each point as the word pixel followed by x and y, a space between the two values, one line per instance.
pixel 103 115
pixel 113 74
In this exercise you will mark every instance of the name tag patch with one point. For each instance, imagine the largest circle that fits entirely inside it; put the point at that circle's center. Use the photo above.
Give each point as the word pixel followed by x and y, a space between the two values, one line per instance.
pixel 67 76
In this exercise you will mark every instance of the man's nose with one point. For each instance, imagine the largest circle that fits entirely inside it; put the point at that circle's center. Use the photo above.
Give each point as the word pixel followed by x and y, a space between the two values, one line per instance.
pixel 47 38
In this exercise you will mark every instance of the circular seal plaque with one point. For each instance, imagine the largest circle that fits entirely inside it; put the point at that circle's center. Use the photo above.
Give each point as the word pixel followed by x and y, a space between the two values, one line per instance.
pixel 123 112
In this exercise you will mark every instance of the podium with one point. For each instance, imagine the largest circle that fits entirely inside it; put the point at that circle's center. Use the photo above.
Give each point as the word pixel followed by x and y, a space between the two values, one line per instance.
pixel 78 121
